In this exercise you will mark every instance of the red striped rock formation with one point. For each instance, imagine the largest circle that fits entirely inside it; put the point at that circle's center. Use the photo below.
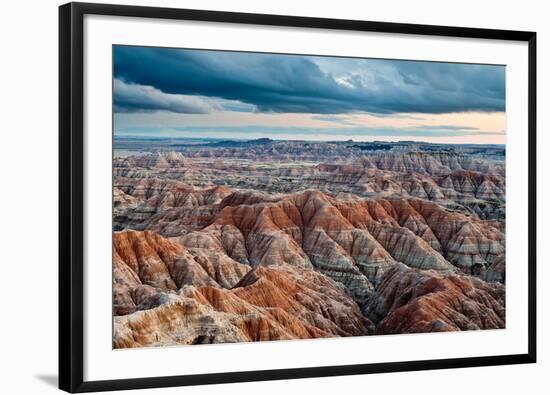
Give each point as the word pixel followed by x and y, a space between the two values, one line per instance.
pixel 165 206
pixel 356 236
pixel 237 241
pixel 470 183
pixel 161 159
pixel 173 298
pixel 352 241
pixel 159 193
pixel 427 301
pixel 305 265
pixel 146 258
pixel 433 163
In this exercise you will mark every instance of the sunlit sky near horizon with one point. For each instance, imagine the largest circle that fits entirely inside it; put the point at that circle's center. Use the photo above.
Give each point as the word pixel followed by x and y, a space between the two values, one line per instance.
pixel 164 92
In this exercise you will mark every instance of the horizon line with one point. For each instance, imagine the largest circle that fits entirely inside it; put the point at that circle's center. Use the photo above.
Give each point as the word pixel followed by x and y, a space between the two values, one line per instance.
pixel 295 140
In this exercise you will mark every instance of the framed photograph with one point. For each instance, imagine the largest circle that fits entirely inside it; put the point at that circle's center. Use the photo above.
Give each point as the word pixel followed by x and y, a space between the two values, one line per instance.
pixel 251 197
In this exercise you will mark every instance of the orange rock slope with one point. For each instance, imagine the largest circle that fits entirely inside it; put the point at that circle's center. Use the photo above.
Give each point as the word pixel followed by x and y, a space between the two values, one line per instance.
pixel 410 301
pixel 166 294
pixel 266 267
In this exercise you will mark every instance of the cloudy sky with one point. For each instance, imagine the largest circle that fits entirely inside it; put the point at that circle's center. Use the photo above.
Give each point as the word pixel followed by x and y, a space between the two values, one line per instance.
pixel 196 93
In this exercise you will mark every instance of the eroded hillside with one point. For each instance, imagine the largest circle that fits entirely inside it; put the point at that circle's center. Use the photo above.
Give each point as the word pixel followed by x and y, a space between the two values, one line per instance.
pixel 292 241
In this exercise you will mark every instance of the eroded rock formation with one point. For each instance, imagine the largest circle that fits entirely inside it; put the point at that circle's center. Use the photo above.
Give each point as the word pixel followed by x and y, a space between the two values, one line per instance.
pixel 265 240
pixel 167 294
pixel 308 265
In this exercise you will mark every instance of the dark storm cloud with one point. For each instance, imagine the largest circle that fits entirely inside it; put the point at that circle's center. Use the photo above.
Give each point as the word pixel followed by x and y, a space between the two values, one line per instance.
pixel 302 84
pixel 140 98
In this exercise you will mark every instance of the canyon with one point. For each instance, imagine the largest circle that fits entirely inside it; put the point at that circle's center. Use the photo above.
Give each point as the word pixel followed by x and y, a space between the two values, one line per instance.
pixel 223 241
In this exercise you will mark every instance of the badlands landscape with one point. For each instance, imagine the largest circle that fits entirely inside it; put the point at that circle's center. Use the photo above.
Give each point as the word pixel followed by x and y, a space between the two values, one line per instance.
pixel 221 241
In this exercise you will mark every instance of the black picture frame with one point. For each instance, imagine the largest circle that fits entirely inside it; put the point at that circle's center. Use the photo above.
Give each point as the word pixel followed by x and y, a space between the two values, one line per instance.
pixel 71 173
